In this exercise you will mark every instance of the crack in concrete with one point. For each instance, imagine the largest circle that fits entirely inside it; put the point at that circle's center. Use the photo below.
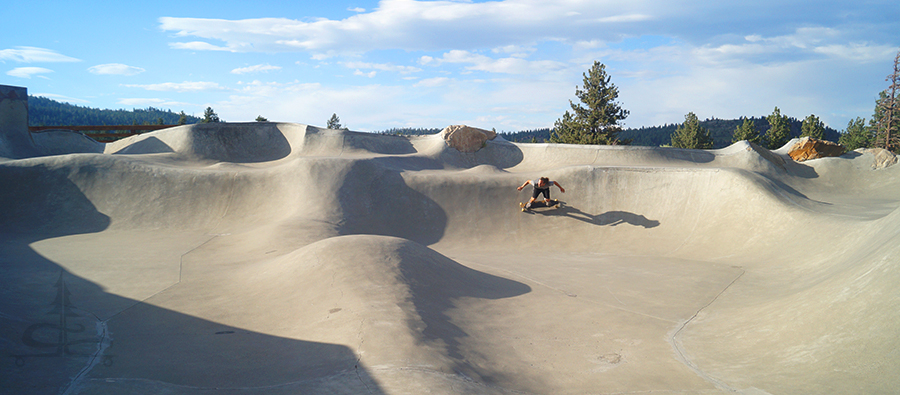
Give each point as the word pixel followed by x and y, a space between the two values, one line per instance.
pixel 679 349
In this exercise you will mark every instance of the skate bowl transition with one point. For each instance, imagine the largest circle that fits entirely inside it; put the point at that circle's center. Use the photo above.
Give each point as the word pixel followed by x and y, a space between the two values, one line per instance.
pixel 274 258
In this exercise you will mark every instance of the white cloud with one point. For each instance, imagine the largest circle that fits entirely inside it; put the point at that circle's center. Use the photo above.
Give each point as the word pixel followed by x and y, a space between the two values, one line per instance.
pixel 432 82
pixel 381 67
pixel 33 55
pixel 259 68
pixel 149 102
pixel 115 69
pixel 60 98
pixel 479 62
pixel 27 72
pixel 187 86
pixel 803 43
pixel 356 9
pixel 360 73
pixel 359 107
pixel 516 51
pixel 198 46
pixel 418 25
pixel 626 18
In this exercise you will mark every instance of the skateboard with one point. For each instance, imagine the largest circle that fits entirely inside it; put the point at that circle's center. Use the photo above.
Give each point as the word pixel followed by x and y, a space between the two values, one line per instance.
pixel 540 203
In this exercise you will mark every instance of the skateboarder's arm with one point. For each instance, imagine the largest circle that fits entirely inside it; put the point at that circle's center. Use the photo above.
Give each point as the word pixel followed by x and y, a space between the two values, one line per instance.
pixel 561 189
pixel 523 185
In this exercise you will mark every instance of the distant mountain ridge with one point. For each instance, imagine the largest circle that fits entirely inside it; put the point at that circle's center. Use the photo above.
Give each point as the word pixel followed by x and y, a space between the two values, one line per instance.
pixel 48 112
pixel 721 131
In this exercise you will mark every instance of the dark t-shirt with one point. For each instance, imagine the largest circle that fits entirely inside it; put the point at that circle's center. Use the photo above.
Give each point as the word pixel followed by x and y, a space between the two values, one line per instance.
pixel 535 183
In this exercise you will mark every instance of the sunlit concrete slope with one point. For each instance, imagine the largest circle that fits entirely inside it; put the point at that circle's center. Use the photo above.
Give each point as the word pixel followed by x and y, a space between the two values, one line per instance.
pixel 276 258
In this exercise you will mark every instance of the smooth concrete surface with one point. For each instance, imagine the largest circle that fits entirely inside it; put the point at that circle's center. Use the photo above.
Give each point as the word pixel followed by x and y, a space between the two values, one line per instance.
pixel 270 258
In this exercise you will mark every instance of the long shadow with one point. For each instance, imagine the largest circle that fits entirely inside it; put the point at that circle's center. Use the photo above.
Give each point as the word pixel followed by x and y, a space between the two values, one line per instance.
pixel 437 284
pixel 52 337
pixel 375 200
pixel 609 218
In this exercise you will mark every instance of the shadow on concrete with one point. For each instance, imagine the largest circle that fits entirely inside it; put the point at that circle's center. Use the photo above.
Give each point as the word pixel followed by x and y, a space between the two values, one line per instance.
pixel 52 340
pixel 437 284
pixel 609 218
pixel 378 143
pixel 375 200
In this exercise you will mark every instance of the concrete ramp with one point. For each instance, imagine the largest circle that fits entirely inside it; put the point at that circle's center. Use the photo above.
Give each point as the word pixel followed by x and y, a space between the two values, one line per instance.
pixel 265 258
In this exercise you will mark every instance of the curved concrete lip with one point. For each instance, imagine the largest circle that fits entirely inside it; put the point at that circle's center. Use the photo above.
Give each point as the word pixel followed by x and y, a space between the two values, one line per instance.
pixel 284 258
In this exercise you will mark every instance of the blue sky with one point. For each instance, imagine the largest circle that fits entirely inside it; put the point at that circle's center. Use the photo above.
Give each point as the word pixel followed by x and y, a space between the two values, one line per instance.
pixel 508 65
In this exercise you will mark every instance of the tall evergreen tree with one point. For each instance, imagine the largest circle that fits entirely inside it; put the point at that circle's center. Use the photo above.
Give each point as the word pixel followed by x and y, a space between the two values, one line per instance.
pixel 747 131
pixel 857 135
pixel 598 120
pixel 779 130
pixel 813 127
pixel 210 116
pixel 335 122
pixel 182 118
pixel 887 112
pixel 691 135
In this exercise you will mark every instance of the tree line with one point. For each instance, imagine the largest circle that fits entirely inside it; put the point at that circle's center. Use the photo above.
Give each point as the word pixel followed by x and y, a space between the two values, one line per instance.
pixel 598 116
pixel 48 112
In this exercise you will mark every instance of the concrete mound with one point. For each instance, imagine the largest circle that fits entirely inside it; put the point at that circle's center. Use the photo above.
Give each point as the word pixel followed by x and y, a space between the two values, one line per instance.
pixel 283 258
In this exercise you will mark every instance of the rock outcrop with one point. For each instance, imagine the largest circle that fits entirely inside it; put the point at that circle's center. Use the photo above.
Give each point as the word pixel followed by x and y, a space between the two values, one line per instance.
pixel 466 138
pixel 881 157
pixel 809 148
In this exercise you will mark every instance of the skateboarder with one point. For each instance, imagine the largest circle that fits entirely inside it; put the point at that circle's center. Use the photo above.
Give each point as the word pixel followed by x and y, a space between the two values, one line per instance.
pixel 541 186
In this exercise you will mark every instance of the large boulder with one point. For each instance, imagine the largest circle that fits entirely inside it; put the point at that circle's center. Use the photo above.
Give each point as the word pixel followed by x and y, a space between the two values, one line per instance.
pixel 809 148
pixel 466 138
pixel 881 157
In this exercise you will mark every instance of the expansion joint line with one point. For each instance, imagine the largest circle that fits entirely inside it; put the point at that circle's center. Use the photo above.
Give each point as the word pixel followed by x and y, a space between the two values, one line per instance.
pixel 359 357
pixel 679 348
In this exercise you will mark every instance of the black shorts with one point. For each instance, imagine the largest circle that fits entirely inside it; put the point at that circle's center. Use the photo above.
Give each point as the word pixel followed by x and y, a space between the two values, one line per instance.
pixel 538 192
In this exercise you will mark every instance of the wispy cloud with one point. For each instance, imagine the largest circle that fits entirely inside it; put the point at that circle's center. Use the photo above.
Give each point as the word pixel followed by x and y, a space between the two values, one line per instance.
pixel 115 69
pixel 432 82
pixel 34 55
pixel 480 62
pixel 55 96
pixel 187 86
pixel 27 72
pixel 198 46
pixel 416 25
pixel 259 68
pixel 381 67
pixel 149 102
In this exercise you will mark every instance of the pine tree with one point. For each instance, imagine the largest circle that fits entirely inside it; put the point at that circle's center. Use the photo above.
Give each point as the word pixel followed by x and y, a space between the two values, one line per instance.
pixel 812 127
pixel 747 131
pixel 691 135
pixel 857 135
pixel 210 116
pixel 887 112
pixel 779 130
pixel 334 122
pixel 597 122
pixel 182 118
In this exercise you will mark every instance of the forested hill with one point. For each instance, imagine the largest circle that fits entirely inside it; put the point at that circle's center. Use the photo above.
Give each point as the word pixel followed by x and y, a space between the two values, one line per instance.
pixel 721 131
pixel 47 112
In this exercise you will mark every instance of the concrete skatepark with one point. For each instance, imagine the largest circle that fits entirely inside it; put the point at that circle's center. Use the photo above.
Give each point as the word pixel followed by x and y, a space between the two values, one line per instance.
pixel 273 258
